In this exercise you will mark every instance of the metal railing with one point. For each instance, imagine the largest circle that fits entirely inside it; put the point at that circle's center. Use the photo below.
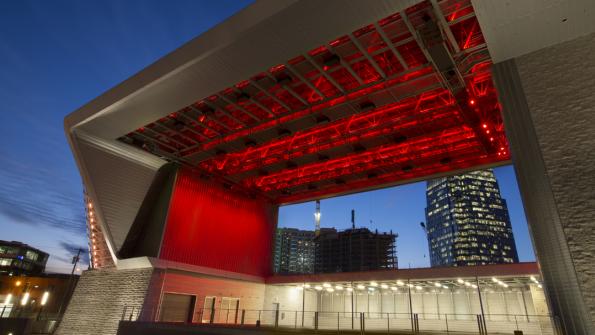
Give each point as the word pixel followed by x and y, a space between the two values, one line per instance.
pixel 370 321
pixel 41 322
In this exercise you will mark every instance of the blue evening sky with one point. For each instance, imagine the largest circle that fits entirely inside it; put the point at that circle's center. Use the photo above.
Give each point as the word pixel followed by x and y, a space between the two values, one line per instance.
pixel 57 55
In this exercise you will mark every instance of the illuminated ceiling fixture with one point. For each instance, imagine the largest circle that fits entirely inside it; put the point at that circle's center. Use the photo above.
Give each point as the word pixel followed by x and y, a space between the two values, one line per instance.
pixel 384 286
pixel 460 281
pixel 25 299
pixel 326 285
pixel 360 287
pixel 373 284
pixel 371 85
pixel 400 283
pixel 394 288
pixel 339 287
pixel 44 298
pixel 349 289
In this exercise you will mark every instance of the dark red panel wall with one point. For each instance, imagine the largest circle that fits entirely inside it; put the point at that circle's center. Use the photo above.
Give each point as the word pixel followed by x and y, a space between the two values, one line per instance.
pixel 211 226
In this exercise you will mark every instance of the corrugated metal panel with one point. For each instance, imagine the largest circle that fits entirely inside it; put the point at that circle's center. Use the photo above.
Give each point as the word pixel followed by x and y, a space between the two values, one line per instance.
pixel 119 185
pixel 209 225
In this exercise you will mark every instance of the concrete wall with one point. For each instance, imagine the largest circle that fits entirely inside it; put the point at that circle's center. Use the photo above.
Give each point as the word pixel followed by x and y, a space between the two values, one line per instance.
pixel 505 311
pixel 559 84
pixel 549 108
pixel 251 294
pixel 427 303
pixel 99 298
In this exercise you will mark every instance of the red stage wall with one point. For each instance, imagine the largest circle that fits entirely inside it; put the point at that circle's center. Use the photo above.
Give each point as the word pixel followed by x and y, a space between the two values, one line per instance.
pixel 211 226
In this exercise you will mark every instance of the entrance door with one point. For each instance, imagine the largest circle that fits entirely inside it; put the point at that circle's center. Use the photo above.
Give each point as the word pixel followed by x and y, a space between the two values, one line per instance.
pixel 177 308
pixel 208 310
pixel 228 313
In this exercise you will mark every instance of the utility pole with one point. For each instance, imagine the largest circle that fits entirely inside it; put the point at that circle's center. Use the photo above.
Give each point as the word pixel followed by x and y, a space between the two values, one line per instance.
pixel 75 260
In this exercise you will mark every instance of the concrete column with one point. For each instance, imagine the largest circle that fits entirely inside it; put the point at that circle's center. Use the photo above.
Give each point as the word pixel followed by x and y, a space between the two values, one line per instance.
pixel 548 104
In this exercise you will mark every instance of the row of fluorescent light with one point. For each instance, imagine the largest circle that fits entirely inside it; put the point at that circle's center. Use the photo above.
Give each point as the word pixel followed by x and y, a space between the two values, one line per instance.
pixel 499 282
pixel 533 279
pixel 466 283
pixel 371 287
pixel 374 285
pixel 25 298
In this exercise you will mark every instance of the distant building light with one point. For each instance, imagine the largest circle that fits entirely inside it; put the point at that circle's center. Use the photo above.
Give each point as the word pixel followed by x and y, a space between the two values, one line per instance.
pixel 400 283
pixel 18 283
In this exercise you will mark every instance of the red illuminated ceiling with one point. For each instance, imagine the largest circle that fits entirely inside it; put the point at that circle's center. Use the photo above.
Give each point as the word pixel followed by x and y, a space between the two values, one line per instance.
pixel 406 97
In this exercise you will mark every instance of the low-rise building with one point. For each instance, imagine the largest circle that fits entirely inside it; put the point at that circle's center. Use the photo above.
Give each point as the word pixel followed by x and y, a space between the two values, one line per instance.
pixel 18 258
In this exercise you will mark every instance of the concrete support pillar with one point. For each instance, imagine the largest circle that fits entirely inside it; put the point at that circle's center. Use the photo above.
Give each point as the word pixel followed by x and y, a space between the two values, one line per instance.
pixel 549 111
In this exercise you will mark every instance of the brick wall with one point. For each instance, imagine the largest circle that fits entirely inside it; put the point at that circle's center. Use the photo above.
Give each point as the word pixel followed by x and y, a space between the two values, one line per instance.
pixel 99 298
pixel 559 85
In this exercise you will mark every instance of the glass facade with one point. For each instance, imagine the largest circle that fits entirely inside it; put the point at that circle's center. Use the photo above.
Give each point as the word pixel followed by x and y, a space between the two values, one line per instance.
pixel 294 251
pixel 17 258
pixel 467 221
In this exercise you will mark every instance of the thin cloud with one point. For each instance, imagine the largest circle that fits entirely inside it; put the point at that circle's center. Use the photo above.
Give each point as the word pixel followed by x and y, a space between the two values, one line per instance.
pixel 33 196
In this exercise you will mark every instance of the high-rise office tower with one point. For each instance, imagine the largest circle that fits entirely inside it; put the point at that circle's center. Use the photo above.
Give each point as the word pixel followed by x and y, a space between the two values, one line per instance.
pixel 467 221
pixel 294 251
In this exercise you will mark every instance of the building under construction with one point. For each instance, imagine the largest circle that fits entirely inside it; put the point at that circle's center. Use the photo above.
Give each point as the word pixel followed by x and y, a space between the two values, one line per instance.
pixel 355 249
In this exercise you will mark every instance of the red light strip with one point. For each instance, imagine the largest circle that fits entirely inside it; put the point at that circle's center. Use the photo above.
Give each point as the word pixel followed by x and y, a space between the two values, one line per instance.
pixel 373 159
pixel 384 120
pixel 464 159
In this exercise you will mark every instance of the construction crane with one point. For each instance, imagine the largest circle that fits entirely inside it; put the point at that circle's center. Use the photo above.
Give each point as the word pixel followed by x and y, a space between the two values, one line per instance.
pixel 317 217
